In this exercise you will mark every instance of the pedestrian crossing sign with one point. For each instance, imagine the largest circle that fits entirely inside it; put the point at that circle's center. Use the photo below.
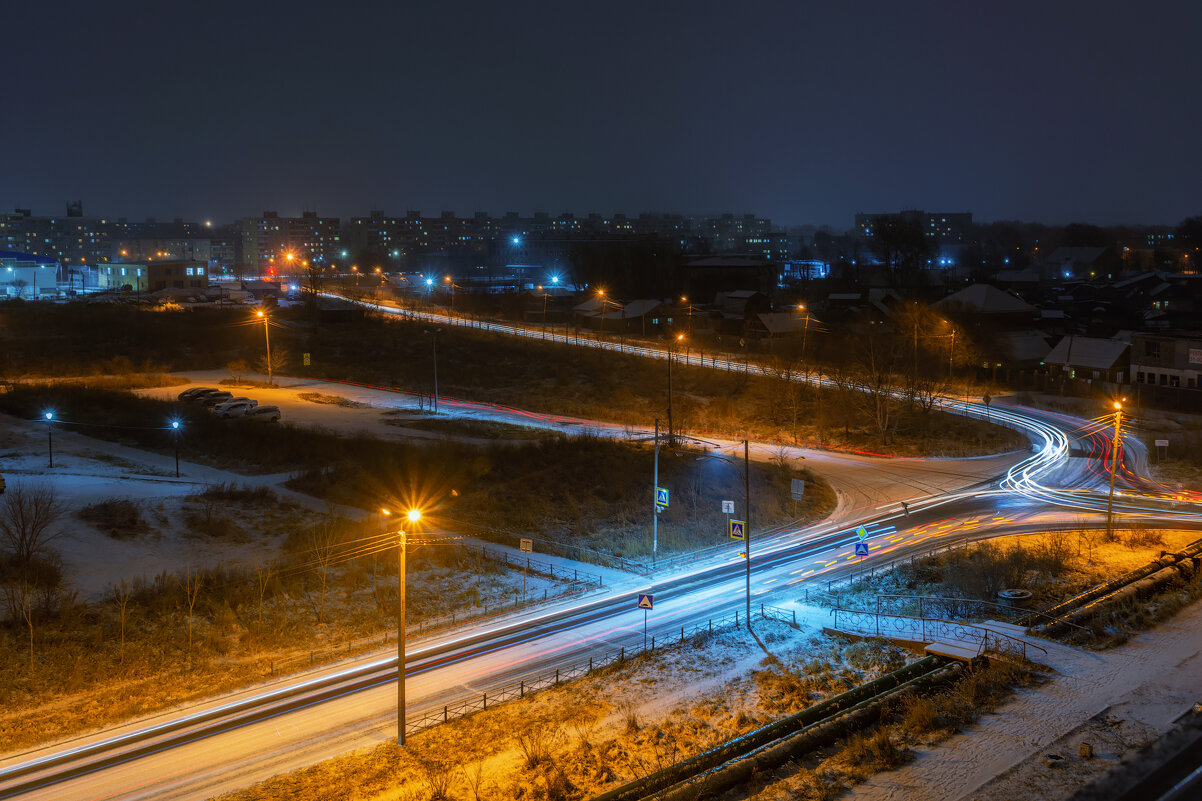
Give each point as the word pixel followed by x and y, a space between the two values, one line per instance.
pixel 661 496
pixel 738 530
pixel 861 549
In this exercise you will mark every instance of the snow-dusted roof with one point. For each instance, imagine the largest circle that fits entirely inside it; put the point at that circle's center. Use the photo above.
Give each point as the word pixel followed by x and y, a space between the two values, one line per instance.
pixel 1025 346
pixel 985 299
pixel 783 322
pixel 1099 354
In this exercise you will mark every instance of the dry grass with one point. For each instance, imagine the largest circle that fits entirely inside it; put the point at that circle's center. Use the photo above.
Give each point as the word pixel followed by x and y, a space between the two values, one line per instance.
pixel 619 728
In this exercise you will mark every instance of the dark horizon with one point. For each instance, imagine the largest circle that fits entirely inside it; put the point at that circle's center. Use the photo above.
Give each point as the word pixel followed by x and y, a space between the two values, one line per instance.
pixel 802 114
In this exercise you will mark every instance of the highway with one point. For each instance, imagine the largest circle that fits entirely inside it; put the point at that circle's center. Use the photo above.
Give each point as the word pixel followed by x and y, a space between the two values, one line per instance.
pixel 231 742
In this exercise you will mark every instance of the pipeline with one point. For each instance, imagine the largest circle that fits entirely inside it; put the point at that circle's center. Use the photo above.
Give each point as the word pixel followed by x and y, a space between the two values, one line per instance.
pixel 1086 599
pixel 1141 581
pixel 774 754
pixel 776 731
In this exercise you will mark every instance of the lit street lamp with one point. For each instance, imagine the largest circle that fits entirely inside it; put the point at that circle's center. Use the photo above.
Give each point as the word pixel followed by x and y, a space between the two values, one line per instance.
pixel 671 430
pixel 414 516
pixel 175 431
pixel 267 343
pixel 50 436
pixel 1115 450
pixel 746 514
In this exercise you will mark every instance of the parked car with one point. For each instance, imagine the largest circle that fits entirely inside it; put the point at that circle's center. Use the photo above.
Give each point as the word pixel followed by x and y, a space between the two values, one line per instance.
pixel 267 414
pixel 232 401
pixel 195 392
pixel 215 398
pixel 234 408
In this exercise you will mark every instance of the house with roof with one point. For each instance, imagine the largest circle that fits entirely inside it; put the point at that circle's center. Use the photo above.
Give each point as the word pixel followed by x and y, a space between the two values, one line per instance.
pixel 1091 358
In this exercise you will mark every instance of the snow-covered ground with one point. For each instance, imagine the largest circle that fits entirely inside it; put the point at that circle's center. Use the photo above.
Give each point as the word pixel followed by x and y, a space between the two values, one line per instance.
pixel 1115 699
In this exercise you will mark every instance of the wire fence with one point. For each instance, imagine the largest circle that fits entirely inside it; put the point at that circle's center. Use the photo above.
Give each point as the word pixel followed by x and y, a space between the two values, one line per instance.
pixel 536 565
pixel 551 678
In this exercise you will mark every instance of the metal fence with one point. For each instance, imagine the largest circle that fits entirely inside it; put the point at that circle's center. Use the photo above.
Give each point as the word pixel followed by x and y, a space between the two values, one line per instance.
pixel 927 630
pixel 536 565
pixel 541 681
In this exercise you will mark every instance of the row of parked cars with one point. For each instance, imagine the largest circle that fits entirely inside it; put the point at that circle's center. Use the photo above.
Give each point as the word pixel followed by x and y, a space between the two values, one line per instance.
pixel 224 404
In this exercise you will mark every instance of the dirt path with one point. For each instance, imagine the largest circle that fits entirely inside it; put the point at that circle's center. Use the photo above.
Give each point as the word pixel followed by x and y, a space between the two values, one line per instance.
pixel 1114 699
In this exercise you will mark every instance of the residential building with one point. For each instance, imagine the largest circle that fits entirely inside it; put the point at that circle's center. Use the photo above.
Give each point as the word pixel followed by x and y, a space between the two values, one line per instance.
pixel 1170 360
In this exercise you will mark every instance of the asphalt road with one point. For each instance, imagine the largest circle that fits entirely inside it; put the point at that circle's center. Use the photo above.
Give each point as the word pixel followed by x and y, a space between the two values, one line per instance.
pixel 297 722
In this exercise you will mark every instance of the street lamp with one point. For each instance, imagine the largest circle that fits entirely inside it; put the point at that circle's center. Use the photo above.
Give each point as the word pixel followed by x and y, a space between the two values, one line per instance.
pixel 671 430
pixel 175 431
pixel 1115 450
pixel 746 515
pixel 805 332
pixel 267 343
pixel 50 436
pixel 413 517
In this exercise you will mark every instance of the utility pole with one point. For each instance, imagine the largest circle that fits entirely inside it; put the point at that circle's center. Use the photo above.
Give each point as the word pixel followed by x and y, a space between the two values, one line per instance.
pixel 655 501
pixel 747 522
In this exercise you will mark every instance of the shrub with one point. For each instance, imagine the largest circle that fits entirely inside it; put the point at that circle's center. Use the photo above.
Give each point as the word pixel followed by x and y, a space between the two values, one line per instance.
pixel 119 518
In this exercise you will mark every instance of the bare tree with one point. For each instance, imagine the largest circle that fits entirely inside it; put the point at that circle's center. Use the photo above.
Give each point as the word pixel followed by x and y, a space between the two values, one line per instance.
pixel 323 540
pixel 238 368
pixel 264 572
pixel 120 594
pixel 27 517
pixel 191 583
pixel 23 594
pixel 875 363
pixel 278 361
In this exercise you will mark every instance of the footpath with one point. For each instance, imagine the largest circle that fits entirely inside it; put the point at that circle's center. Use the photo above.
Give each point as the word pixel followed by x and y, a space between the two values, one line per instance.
pixel 1027 749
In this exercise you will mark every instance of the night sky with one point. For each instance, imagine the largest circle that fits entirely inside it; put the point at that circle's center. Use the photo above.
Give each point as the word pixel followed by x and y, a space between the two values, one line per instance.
pixel 801 111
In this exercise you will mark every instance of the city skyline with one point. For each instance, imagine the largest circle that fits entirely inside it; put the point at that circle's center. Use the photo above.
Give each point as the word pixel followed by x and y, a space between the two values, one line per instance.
pixel 802 115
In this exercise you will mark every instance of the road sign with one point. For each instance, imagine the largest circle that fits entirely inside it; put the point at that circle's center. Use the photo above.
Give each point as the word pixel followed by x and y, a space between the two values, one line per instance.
pixel 738 530
pixel 862 533
pixel 646 601
pixel 797 488
pixel 728 507
pixel 307 360
pixel 526 545
pixel 1162 443
pixel 661 496
pixel 861 549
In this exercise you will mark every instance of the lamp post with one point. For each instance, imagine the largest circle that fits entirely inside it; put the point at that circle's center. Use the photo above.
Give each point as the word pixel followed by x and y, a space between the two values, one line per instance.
pixel 413 517
pixel 671 430
pixel 175 432
pixel 1115 451
pixel 451 282
pixel 267 343
pixel 50 436
pixel 805 332
pixel 746 517
pixel 434 332
pixel 655 501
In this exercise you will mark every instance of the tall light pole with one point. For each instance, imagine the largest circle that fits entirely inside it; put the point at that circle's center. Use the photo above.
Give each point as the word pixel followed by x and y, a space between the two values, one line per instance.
pixel 671 430
pixel 655 501
pixel 50 436
pixel 451 282
pixel 1115 451
pixel 413 517
pixel 267 343
pixel 175 431
pixel 805 332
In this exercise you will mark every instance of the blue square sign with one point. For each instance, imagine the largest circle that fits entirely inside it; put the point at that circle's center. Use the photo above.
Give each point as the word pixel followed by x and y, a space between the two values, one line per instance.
pixel 738 530
pixel 861 549
pixel 646 601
